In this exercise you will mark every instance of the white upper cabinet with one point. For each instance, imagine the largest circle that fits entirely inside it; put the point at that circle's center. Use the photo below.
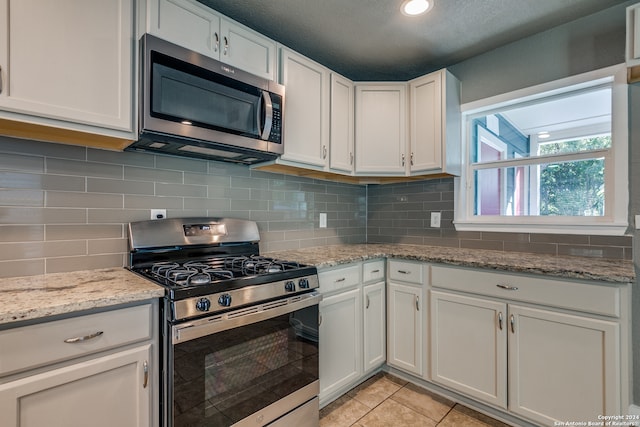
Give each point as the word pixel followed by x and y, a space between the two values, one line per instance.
pixel 68 64
pixel 381 128
pixel 341 152
pixel 632 52
pixel 435 124
pixel 306 109
pixel 199 28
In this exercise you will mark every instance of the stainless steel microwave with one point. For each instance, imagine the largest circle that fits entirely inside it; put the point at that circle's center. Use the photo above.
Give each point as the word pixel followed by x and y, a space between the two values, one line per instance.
pixel 194 106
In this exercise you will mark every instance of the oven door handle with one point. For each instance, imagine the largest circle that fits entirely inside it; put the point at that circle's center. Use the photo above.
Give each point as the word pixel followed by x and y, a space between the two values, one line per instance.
pixel 241 317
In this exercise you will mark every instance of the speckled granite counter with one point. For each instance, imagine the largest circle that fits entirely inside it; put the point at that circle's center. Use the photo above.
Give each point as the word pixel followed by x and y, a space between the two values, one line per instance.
pixel 33 297
pixel 605 270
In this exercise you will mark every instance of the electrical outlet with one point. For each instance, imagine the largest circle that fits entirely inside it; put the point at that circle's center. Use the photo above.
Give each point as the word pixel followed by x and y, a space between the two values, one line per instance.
pixel 323 220
pixel 435 219
pixel 158 213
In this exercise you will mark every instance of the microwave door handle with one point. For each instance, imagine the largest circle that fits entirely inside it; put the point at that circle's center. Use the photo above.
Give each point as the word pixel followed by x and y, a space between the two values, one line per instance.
pixel 266 106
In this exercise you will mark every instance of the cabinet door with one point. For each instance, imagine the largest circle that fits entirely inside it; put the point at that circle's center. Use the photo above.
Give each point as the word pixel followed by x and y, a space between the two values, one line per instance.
pixel 104 392
pixel 381 123
pixel 375 340
pixel 306 121
pixel 562 367
pixel 469 346
pixel 404 327
pixel 425 96
pixel 341 155
pixel 247 50
pixel 168 19
pixel 68 60
pixel 341 341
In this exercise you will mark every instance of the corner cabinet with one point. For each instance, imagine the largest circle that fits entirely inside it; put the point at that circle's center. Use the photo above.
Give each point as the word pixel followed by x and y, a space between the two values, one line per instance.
pixel 381 128
pixel 435 124
pixel 517 342
pixel 68 64
pixel 97 369
pixel 211 34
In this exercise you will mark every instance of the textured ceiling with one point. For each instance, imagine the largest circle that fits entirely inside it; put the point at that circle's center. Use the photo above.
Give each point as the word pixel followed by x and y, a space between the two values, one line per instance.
pixel 372 40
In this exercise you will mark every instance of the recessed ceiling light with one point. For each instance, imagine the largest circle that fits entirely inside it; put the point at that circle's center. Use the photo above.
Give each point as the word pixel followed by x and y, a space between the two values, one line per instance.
pixel 416 7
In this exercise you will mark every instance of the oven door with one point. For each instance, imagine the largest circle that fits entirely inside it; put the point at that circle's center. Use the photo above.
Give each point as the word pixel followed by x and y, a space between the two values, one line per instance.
pixel 250 366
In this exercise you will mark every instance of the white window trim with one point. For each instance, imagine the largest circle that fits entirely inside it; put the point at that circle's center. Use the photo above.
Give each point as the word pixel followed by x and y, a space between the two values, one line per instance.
pixel 615 221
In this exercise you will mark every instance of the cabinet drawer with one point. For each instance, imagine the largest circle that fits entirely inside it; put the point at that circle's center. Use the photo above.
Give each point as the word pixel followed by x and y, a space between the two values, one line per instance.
pixel 373 271
pixel 339 278
pixel 50 342
pixel 411 272
pixel 580 296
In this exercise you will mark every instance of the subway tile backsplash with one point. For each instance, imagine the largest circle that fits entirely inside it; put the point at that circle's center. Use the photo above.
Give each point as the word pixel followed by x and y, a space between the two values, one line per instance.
pixel 400 213
pixel 66 208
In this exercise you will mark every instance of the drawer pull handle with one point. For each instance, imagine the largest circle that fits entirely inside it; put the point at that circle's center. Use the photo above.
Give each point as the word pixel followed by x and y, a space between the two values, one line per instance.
pixel 342 279
pixel 375 271
pixel 507 287
pixel 145 369
pixel 84 338
pixel 404 272
pixel 513 324
pixel 500 320
pixel 367 306
pixel 417 303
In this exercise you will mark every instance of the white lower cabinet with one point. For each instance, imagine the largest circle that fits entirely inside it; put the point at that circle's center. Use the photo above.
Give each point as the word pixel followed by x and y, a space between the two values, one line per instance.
pixel 543 364
pixel 103 392
pixel 404 327
pixel 352 326
pixel 340 338
pixel 94 370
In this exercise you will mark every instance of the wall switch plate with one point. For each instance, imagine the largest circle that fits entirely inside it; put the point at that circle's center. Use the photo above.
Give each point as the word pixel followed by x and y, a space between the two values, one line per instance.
pixel 637 221
pixel 323 220
pixel 158 213
pixel 435 219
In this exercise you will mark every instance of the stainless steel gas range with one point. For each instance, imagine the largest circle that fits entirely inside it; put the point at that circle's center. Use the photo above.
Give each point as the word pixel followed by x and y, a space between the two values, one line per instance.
pixel 240 331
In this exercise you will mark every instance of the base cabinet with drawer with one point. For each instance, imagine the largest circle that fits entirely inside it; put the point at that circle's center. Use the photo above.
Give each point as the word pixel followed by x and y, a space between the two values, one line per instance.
pixel 91 370
pixel 406 318
pixel 352 326
pixel 492 340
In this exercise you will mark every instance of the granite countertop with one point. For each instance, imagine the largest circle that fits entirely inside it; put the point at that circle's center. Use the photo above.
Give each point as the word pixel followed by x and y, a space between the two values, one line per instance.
pixel 33 297
pixel 597 269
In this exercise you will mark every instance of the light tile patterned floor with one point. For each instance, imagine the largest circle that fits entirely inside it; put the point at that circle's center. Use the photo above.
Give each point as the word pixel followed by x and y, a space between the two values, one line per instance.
pixel 387 401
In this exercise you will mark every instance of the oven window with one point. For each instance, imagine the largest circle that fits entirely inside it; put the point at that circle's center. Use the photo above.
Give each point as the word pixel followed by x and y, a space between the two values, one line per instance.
pixel 222 378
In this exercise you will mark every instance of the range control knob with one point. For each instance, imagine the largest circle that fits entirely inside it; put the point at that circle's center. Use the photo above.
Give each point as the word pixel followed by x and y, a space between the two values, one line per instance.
pixel 203 304
pixel 303 283
pixel 224 300
pixel 290 286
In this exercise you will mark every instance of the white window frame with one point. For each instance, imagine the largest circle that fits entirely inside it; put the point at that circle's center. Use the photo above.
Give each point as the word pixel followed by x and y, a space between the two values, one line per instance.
pixel 615 220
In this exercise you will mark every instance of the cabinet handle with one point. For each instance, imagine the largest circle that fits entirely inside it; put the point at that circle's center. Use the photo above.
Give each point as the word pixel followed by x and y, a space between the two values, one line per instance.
pixel 500 320
pixel 84 338
pixel 403 160
pixel 375 271
pixel 404 272
pixel 216 45
pixel 367 306
pixel 507 287
pixel 226 45
pixel 0 79
pixel 319 319
pixel 512 319
pixel 324 151
pixel 417 303
pixel 411 159
pixel 145 369
pixel 350 157
pixel 342 279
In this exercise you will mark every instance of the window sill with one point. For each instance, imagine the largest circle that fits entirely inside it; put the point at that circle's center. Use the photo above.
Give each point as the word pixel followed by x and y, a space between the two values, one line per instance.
pixel 571 227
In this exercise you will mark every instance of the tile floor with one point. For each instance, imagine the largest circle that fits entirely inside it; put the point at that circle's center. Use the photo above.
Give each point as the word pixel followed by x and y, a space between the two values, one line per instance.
pixel 387 401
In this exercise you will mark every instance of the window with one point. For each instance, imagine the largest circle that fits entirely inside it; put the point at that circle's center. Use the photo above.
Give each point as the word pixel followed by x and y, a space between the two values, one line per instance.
pixel 552 158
